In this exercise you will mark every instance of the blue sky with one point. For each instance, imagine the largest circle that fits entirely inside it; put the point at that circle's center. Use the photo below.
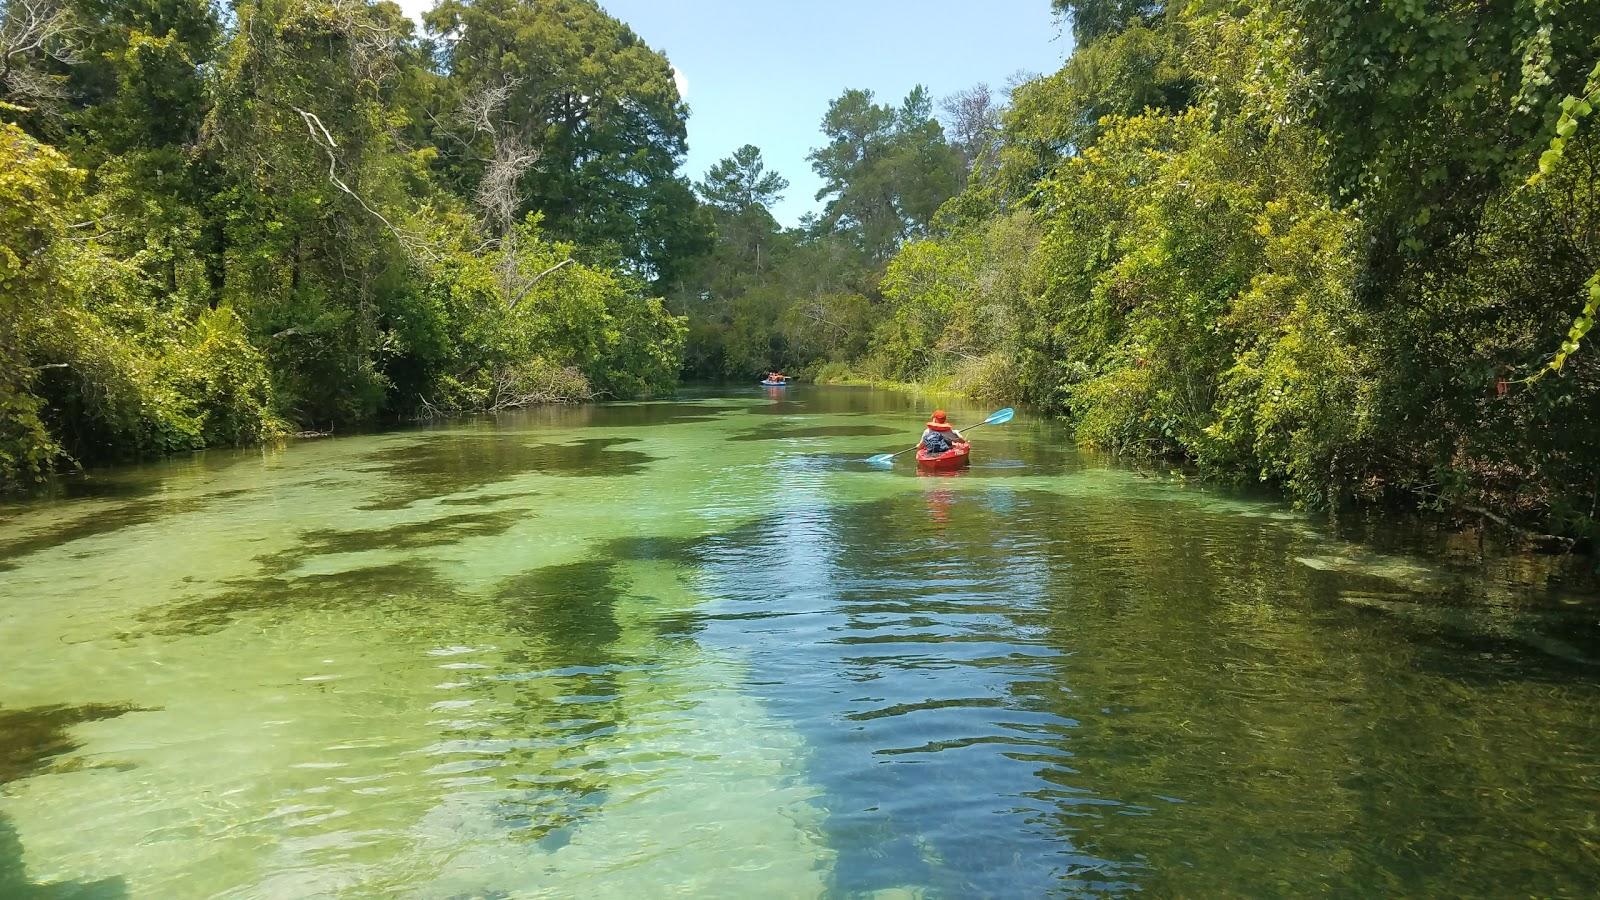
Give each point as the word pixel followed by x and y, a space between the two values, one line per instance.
pixel 762 72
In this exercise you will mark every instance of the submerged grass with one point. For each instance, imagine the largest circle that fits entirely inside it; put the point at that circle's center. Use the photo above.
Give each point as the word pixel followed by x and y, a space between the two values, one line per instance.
pixel 31 737
pixel 441 465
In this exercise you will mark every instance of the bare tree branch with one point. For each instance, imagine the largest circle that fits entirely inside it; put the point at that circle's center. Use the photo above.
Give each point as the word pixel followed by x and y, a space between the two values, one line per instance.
pixel 973 119
pixel 479 111
pixel 324 139
pixel 529 286
pixel 497 193
pixel 34 33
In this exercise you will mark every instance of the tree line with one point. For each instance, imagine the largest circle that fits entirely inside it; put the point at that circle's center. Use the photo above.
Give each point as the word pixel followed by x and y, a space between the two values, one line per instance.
pixel 222 222
pixel 1350 249
pixel 1346 248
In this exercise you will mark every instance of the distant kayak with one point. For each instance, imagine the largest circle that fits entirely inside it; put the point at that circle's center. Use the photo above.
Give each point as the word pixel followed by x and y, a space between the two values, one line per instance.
pixel 775 383
pixel 954 458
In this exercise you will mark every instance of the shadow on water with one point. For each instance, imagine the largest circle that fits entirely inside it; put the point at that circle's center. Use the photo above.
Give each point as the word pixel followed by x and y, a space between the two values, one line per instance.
pixel 141 511
pixel 566 695
pixel 632 415
pixel 278 592
pixel 486 499
pixel 808 400
pixel 577 682
pixel 29 739
pixel 611 414
pixel 407 590
pixel 572 601
pixel 566 612
pixel 403 536
pixel 126 496
pixel 15 885
pixel 129 481
pixel 435 465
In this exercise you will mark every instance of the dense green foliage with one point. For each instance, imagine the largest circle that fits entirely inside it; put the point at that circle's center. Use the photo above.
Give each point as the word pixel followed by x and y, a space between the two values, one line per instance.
pixel 1327 244
pixel 221 223
pixel 1296 241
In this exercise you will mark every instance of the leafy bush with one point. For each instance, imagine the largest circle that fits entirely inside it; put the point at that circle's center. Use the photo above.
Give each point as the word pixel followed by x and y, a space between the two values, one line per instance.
pixel 37 188
pixel 834 373
pixel 224 379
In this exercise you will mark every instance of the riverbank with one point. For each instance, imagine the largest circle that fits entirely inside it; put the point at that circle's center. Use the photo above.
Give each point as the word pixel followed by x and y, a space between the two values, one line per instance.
pixel 1508 522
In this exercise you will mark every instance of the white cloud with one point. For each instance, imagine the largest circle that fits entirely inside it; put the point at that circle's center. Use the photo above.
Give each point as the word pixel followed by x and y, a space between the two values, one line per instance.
pixel 681 80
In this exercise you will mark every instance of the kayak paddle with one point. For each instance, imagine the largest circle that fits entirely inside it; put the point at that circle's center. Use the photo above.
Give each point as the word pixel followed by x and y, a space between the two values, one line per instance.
pixel 997 418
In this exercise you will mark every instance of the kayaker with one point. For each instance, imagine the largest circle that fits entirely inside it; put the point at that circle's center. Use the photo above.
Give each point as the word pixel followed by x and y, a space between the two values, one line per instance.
pixel 939 435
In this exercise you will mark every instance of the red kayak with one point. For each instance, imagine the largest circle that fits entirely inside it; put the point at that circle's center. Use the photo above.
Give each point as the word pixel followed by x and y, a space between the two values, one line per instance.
pixel 954 458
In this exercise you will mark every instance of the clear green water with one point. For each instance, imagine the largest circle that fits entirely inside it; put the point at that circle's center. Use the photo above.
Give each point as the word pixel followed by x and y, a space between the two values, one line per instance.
pixel 697 648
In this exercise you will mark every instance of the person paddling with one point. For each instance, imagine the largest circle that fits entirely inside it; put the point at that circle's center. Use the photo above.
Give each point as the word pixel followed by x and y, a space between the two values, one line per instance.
pixel 939 435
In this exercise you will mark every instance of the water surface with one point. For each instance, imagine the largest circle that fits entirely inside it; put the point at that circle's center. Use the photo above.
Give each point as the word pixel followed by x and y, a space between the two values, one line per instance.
pixel 698 647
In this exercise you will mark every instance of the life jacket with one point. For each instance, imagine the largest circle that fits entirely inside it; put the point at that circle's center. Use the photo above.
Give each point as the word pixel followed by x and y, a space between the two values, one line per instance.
pixel 940 426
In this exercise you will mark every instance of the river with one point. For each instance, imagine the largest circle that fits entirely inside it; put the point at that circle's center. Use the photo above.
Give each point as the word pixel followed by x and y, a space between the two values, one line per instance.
pixel 698 647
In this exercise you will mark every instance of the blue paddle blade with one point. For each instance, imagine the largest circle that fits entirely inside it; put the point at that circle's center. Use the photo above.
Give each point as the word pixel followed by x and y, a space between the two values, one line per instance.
pixel 881 458
pixel 1001 417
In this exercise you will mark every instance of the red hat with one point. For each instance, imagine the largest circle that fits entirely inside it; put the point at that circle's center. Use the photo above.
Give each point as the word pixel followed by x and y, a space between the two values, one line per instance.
pixel 938 415
pixel 937 423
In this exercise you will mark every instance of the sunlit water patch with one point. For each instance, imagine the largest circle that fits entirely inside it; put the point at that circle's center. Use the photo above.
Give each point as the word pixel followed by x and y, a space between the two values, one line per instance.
pixel 702 647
